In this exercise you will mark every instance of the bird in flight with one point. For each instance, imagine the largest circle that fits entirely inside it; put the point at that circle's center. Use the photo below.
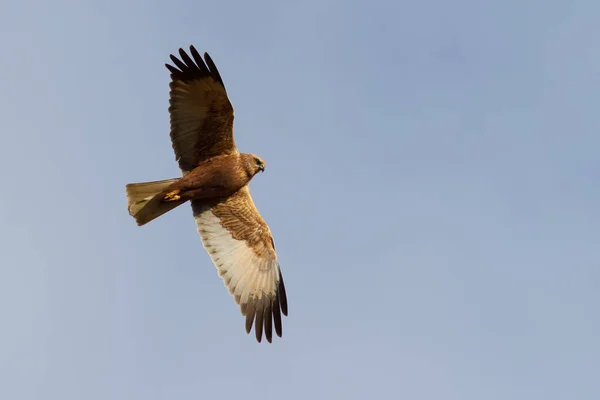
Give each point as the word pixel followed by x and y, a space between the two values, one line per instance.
pixel 215 178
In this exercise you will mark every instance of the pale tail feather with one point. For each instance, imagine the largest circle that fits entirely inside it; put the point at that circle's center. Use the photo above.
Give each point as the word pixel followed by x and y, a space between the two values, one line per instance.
pixel 143 203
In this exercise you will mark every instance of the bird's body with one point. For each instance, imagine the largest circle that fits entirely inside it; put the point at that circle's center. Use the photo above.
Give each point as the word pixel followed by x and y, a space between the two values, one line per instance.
pixel 215 180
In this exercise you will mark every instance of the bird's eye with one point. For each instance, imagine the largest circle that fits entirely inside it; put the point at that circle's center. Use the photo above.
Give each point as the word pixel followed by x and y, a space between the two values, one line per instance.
pixel 258 162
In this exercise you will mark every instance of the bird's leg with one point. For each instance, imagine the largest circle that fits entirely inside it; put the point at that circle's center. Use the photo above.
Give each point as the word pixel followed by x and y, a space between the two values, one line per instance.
pixel 173 195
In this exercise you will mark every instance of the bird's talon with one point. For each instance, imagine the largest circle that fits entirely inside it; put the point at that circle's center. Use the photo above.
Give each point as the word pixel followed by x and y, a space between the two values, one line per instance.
pixel 172 196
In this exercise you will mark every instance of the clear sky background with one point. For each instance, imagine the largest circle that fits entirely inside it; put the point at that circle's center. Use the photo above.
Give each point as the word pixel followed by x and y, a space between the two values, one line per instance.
pixel 432 186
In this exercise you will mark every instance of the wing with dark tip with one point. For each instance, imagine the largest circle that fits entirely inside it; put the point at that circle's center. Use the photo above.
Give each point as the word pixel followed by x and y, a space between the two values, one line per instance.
pixel 240 245
pixel 200 111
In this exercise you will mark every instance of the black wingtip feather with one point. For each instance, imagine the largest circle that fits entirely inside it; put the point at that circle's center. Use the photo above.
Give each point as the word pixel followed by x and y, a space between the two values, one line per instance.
pixel 269 322
pixel 190 68
pixel 196 56
pixel 172 69
pixel 277 316
pixel 186 59
pixel 258 325
pixel 249 317
pixel 179 63
pixel 282 296
pixel 213 69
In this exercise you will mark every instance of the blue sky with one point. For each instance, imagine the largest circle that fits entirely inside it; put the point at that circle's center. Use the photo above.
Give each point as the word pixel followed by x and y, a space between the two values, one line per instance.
pixel 432 186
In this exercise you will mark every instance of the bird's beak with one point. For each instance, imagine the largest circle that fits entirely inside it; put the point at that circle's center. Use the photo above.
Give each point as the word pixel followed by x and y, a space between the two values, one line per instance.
pixel 262 168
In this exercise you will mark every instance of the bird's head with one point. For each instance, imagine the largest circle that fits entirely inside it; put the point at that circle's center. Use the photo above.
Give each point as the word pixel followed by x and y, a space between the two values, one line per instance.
pixel 260 164
pixel 256 163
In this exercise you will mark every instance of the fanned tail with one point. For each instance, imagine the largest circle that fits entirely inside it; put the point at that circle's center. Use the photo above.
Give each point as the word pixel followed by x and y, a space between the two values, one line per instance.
pixel 144 200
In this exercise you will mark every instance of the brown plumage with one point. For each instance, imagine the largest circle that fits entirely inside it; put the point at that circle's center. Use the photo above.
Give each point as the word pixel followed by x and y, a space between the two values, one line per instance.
pixel 215 180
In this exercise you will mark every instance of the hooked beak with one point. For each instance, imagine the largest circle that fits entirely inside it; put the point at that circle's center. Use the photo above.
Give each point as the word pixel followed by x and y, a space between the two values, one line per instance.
pixel 262 168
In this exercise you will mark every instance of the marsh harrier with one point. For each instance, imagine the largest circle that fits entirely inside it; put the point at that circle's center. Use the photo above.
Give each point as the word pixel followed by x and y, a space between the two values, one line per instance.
pixel 215 178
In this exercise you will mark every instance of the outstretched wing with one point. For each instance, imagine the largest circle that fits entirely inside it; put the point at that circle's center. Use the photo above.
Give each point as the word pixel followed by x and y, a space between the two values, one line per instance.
pixel 201 114
pixel 241 246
